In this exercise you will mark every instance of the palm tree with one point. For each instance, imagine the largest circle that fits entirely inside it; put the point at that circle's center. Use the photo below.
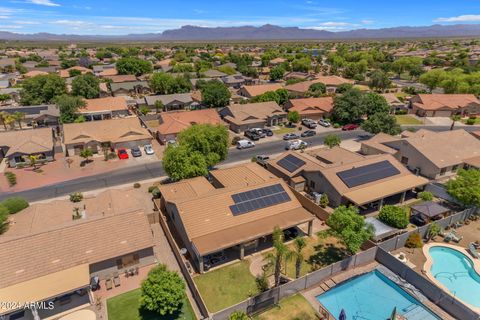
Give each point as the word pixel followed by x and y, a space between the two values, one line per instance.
pixel 9 120
pixel 33 161
pixel 19 116
pixel 3 116
pixel 299 244
pixel 279 256
pixel 455 118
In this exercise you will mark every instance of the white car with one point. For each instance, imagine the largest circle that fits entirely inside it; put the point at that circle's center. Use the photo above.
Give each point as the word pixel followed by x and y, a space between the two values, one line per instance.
pixel 245 144
pixel 296 145
pixel 148 149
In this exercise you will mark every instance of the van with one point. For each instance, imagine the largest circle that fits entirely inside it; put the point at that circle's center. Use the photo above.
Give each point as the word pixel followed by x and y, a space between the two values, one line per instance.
pixel 245 144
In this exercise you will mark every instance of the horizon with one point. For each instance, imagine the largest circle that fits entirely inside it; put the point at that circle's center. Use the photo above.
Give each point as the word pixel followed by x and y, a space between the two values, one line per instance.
pixel 110 18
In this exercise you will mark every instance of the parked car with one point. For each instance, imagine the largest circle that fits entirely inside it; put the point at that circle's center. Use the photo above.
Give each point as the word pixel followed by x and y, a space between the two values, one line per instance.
pixel 296 145
pixel 148 149
pixel 245 144
pixel 268 132
pixel 290 136
pixel 309 123
pixel 252 135
pixel 350 126
pixel 262 159
pixel 324 123
pixel 136 152
pixel 122 154
pixel 308 133
pixel 259 131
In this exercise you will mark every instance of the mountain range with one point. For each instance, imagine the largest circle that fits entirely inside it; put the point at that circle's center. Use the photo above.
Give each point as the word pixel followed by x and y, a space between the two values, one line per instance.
pixel 265 32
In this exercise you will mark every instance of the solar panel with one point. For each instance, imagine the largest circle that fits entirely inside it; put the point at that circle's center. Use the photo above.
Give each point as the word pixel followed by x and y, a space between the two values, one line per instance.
pixel 258 198
pixel 369 173
pixel 290 163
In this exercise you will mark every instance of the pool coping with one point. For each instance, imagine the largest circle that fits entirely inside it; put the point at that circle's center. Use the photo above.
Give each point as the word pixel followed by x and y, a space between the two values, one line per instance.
pixel 428 265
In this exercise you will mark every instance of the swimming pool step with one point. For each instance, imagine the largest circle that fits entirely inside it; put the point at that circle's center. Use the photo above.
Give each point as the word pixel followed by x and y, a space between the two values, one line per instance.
pixel 417 313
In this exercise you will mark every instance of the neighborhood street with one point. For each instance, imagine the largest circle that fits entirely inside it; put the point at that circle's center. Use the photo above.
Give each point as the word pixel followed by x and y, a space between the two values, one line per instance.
pixel 155 170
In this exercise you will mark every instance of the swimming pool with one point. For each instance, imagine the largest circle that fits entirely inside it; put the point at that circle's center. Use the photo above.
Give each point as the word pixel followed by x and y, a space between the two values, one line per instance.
pixel 456 272
pixel 372 296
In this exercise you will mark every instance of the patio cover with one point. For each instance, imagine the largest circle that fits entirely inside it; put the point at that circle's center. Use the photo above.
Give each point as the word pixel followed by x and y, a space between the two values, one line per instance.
pixel 229 237
pixel 46 287
pixel 430 209
pixel 384 189
pixel 381 229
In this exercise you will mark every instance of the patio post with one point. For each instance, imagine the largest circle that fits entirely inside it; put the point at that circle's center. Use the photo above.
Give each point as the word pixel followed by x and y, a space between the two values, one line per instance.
pixel 402 198
pixel 380 204
pixel 310 228
pixel 242 251
pixel 200 264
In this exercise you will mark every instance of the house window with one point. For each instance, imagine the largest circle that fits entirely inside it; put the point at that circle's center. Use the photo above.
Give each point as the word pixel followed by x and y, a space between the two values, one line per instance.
pixel 442 171
pixel 404 160
pixel 312 184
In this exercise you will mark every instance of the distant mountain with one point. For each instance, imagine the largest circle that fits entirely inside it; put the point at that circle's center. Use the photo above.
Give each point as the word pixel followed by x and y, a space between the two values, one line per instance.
pixel 266 32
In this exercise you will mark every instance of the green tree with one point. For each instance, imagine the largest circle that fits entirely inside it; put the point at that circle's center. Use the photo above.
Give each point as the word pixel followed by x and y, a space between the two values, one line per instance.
pixel 144 110
pixel 381 122
pixel 299 244
pixel 163 83
pixel 86 153
pixel 278 257
pixel 276 73
pixel 302 64
pixel 344 87
pixel 332 140
pixel 163 291
pixel 293 116
pixel 215 94
pixel 179 163
pixel 238 315
pixel 69 107
pixel 455 118
pixel 349 106
pixel 433 230
pixel 379 81
pixel 86 85
pixel 42 89
pixel 374 103
pixel 19 117
pixel 394 216
pixel 33 161
pixel 350 227
pixel 425 196
pixel 159 106
pixel 133 65
pixel 317 90
pixel 466 187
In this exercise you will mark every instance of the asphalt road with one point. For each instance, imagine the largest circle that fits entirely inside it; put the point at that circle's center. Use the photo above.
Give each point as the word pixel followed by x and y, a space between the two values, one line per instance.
pixel 155 170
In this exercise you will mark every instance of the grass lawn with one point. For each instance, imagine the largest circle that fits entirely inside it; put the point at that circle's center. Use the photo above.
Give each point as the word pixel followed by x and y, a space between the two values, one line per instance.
pixel 477 120
pixel 406 119
pixel 317 254
pixel 125 307
pixel 226 286
pixel 284 130
pixel 291 308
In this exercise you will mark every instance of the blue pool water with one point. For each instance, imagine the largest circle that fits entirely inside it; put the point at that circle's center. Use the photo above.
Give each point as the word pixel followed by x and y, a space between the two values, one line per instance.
pixel 455 271
pixel 372 296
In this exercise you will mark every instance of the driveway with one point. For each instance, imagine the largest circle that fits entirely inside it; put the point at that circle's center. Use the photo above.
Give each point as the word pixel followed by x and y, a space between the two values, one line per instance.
pixel 441 121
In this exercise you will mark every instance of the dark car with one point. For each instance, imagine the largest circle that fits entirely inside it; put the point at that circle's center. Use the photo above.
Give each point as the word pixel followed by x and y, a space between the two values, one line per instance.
pixel 268 132
pixel 251 135
pixel 418 220
pixel 308 133
pixel 136 152
pixel 350 126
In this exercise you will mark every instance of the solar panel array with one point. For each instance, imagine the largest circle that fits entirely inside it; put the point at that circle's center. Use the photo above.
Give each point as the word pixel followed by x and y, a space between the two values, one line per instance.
pixel 258 198
pixel 369 173
pixel 291 163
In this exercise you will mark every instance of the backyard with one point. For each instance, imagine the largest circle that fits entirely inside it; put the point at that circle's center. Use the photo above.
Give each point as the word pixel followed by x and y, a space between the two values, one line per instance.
pixel 226 286
pixel 294 307
pixel 406 119
pixel 126 307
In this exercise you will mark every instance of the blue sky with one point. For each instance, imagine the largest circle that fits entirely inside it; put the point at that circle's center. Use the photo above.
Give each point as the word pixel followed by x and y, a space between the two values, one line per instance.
pixel 145 16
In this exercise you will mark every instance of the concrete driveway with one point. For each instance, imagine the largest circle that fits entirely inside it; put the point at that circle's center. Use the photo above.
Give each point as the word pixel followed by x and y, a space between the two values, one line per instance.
pixel 441 121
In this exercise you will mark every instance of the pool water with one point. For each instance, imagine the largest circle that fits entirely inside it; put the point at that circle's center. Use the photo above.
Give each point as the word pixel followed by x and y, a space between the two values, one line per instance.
pixel 372 296
pixel 455 271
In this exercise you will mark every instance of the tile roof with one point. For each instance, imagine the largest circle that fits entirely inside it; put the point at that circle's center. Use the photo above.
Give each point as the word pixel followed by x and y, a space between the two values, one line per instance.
pixel 104 104
pixel 256 90
pixel 169 98
pixel 437 101
pixel 242 176
pixel 120 78
pixel 251 112
pixel 27 141
pixel 173 122
pixel 311 105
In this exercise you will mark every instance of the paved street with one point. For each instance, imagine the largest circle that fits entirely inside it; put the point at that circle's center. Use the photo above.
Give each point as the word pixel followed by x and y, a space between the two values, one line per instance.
pixel 152 170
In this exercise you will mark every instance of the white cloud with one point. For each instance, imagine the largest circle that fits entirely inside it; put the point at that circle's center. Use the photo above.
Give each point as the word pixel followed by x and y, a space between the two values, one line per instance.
pixel 335 24
pixel 4 17
pixel 47 3
pixel 367 21
pixel 462 18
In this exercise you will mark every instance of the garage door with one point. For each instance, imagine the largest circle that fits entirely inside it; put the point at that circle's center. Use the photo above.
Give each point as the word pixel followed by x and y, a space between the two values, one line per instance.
pixel 77 149
pixel 443 113
pixel 128 145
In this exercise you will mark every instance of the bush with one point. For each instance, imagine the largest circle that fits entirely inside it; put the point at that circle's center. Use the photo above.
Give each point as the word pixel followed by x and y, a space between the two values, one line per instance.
pixel 151 188
pixel 253 159
pixel 262 282
pixel 425 196
pixel 11 178
pixel 433 230
pixel 401 112
pixel 156 193
pixel 238 315
pixel 394 216
pixel 14 205
pixel 414 241
pixel 76 197
pixel 137 185
pixel 3 218
pixel 470 121
pixel 324 200
pixel 336 125
pixel 235 140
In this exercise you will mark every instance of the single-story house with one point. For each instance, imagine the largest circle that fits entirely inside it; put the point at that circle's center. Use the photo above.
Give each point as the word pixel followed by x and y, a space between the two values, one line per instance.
pixel 331 82
pixel 236 212
pixel 313 108
pixel 113 134
pixel 212 73
pixel 428 153
pixel 347 177
pixel 444 105
pixel 177 101
pixel 259 89
pixel 36 116
pixel 16 146
pixel 236 81
pixel 120 78
pixel 394 103
pixel 129 88
pixel 104 108
pixel 65 73
pixel 242 117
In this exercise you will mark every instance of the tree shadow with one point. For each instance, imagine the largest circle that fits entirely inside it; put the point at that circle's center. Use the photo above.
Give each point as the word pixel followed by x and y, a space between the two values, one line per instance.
pixel 150 315
pixel 325 255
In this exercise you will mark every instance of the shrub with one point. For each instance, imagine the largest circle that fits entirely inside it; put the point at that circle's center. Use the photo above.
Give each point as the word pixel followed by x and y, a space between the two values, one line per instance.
pixel 253 159
pixel 76 197
pixel 151 188
pixel 262 282
pixel 472 117
pixel 470 121
pixel 137 185
pixel 324 200
pixel 14 205
pixel 11 178
pixel 414 241
pixel 238 315
pixel 235 140
pixel 336 125
pixel 394 216
pixel 3 218
pixel 433 230
pixel 156 193
pixel 425 196
pixel 401 112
